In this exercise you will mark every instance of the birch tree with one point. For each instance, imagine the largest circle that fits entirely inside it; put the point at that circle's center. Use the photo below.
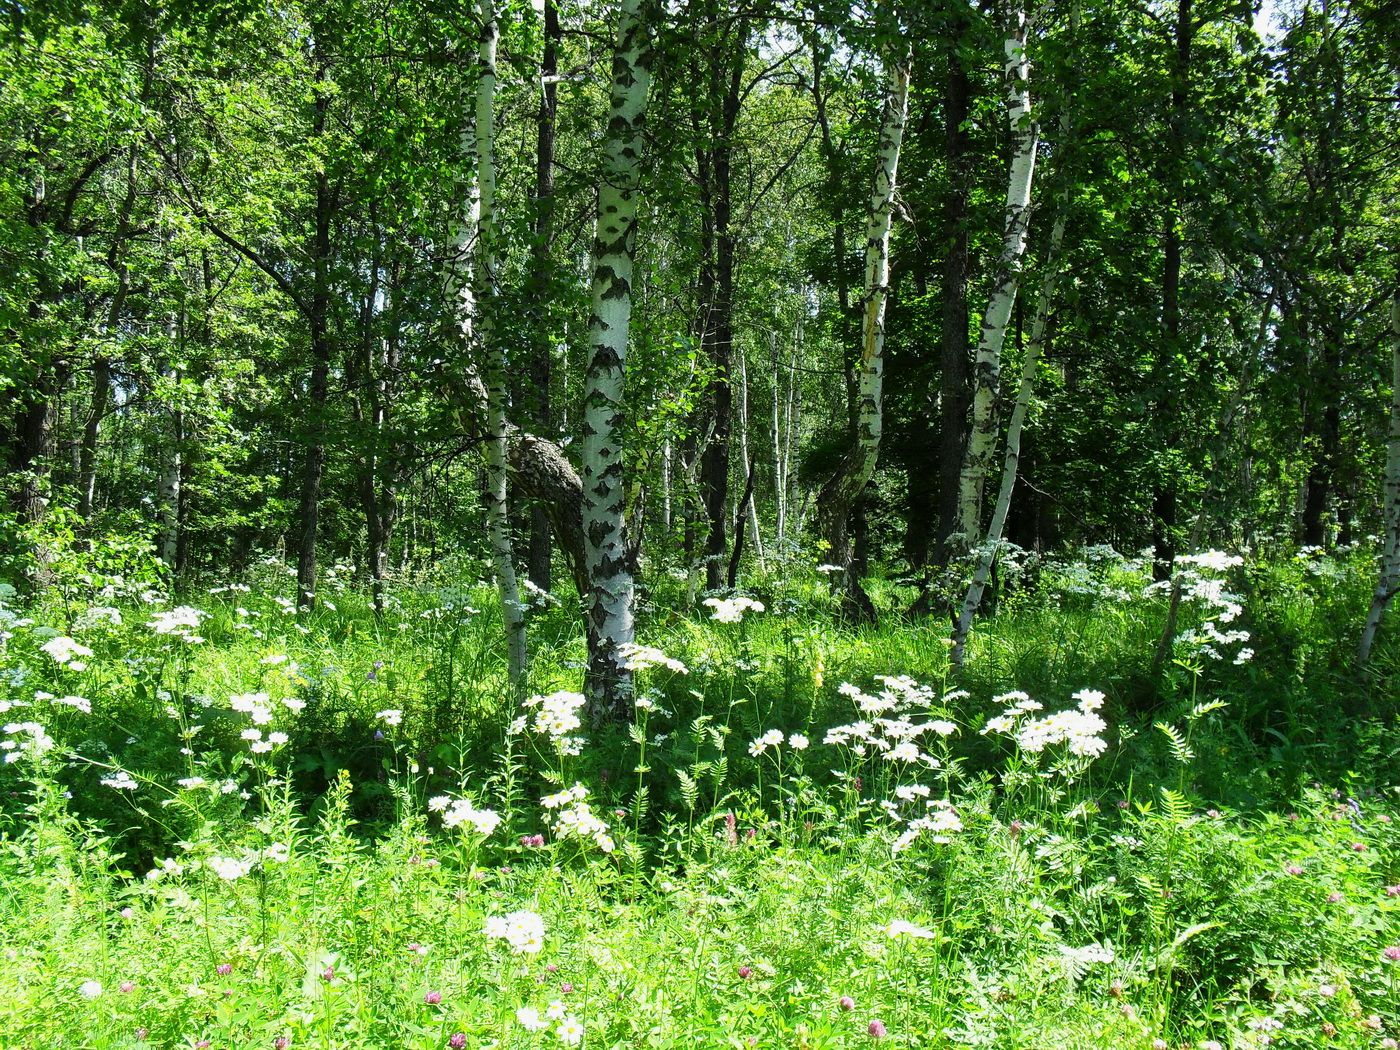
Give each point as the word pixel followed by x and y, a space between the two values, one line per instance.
pixel 986 378
pixel 1388 580
pixel 987 552
pixel 839 494
pixel 476 241
pixel 608 556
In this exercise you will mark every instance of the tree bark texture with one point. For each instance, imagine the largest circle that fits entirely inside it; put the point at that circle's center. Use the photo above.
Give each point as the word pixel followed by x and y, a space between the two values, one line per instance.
pixel 839 495
pixel 986 373
pixel 608 556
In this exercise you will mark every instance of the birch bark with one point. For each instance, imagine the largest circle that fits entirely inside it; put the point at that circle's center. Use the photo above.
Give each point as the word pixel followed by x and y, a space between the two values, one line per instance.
pixel 478 325
pixel 986 554
pixel 986 369
pixel 839 495
pixel 607 554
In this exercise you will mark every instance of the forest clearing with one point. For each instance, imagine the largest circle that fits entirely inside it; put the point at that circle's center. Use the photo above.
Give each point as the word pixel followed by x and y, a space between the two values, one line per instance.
pixel 696 524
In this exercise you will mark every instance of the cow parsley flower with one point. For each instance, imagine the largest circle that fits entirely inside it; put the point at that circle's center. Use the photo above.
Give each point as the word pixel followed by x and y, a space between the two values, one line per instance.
pixel 731 610
pixel 64 649
pixel 120 781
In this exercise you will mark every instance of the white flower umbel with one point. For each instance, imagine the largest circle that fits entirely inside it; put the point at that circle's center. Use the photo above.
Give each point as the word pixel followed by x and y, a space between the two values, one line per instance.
pixel 64 649
pixel 643 657
pixel 731 610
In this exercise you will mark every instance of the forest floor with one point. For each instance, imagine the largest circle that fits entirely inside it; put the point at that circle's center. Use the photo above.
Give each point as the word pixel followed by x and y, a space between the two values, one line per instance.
pixel 227 825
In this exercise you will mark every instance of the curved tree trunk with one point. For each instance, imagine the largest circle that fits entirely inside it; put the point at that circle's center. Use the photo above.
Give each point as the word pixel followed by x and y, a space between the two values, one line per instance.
pixel 987 553
pixel 608 557
pixel 986 371
pixel 839 495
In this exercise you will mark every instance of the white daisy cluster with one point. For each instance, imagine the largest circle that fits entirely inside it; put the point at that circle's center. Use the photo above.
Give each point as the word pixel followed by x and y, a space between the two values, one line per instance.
pixel 461 812
pixel 77 703
pixel 773 738
pixel 66 652
pixel 569 1029
pixel 575 818
pixel 168 867
pixel 180 622
pixel 258 746
pixel 557 716
pixel 16 746
pixel 638 658
pixel 1211 561
pixel 522 930
pixel 731 610
pixel 940 821
pixel 1078 728
pixel 894 737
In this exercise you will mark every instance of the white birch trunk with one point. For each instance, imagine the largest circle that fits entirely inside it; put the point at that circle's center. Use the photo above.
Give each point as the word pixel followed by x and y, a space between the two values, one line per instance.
pixel 790 426
pixel 607 556
pixel 981 445
pixel 1388 580
pixel 472 281
pixel 744 457
pixel 775 427
pixel 987 553
pixel 841 493
pixel 170 493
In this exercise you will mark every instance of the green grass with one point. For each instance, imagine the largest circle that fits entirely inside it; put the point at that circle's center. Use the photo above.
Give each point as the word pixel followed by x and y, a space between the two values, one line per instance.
pixel 1217 871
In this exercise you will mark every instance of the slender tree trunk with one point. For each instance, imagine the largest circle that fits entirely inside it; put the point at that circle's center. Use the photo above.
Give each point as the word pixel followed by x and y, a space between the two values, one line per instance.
pixel 987 552
pixel 608 555
pixel 790 410
pixel 719 114
pixel 35 402
pixel 102 365
pixel 1323 422
pixel 538 402
pixel 477 239
pixel 318 319
pixel 955 398
pixel 981 446
pixel 1388 579
pixel 746 461
pixel 92 424
pixel 172 474
pixel 1164 497
pixel 839 495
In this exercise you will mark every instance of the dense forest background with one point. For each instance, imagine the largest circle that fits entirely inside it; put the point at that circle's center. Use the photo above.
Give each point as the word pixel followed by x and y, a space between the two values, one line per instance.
pixel 699 524
pixel 323 281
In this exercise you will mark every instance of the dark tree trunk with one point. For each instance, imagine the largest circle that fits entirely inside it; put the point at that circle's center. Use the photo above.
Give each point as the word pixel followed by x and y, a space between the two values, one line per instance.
pixel 29 447
pixel 318 320
pixel 1164 496
pixel 1323 426
pixel 728 47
